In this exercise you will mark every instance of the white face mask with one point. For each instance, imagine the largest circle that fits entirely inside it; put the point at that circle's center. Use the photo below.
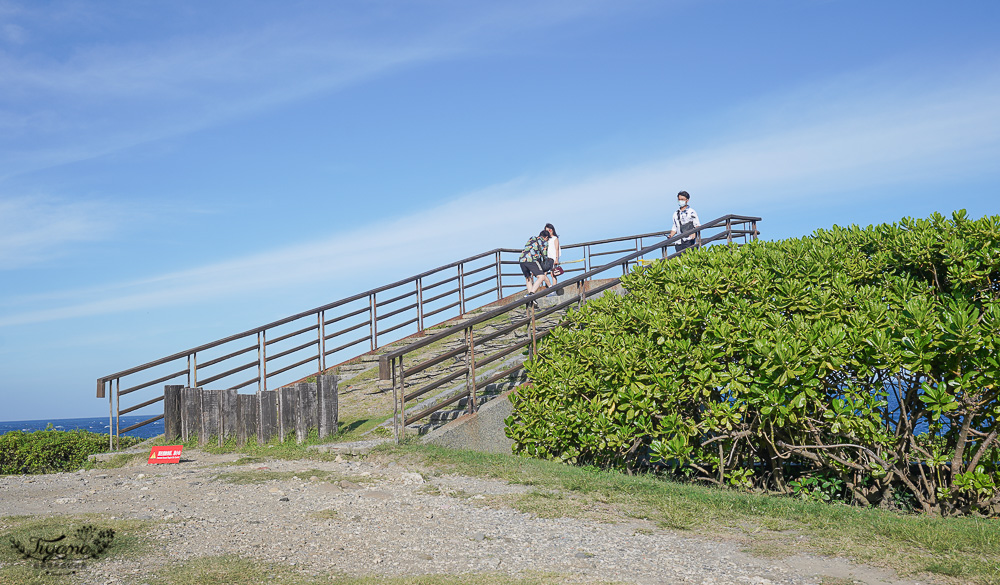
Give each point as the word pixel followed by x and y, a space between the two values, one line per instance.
pixel 681 203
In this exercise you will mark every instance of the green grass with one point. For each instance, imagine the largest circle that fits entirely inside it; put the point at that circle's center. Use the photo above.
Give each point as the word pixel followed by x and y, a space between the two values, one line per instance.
pixel 288 449
pixel 967 549
pixel 118 460
pixel 232 570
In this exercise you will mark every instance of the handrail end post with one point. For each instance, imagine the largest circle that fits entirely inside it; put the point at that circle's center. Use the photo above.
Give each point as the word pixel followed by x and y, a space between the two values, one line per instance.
pixel 384 367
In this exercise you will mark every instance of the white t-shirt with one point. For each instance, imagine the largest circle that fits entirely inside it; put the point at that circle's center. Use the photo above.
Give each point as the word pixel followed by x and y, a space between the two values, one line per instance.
pixel 553 248
pixel 682 216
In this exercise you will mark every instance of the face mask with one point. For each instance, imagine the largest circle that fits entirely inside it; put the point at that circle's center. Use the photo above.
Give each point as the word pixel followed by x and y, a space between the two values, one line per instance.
pixel 681 203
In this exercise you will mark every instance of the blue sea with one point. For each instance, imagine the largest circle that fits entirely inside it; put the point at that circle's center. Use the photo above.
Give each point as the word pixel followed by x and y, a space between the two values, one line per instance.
pixel 94 425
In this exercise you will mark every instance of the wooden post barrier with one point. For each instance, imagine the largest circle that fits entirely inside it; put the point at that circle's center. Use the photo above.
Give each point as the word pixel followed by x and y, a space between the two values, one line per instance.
pixel 225 414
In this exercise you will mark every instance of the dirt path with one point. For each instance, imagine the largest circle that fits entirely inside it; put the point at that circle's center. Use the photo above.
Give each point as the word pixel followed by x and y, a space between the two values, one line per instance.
pixel 369 517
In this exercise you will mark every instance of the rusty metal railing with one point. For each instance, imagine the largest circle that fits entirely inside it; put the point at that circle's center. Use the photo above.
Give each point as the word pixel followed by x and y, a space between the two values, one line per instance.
pixel 309 342
pixel 468 374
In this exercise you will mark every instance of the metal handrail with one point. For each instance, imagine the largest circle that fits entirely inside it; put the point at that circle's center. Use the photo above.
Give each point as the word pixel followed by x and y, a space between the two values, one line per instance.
pixel 311 341
pixel 391 363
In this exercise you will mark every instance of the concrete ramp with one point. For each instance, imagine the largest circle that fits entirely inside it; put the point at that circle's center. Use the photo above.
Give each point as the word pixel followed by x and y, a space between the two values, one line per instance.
pixel 481 431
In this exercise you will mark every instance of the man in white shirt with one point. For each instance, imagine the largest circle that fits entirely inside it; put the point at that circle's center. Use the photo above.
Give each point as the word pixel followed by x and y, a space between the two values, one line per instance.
pixel 685 219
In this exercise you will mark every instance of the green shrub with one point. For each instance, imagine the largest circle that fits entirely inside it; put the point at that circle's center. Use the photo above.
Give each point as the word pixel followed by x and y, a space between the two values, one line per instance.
pixel 862 358
pixel 51 451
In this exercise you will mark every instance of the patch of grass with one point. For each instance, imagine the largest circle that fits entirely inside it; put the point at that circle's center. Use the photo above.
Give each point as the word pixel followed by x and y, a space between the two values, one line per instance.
pixel 429 489
pixel 289 449
pixel 360 429
pixel 120 460
pixel 327 514
pixel 964 548
pixel 232 570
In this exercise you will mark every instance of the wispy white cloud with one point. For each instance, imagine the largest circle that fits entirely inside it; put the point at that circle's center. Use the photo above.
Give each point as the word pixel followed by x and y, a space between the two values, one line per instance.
pixel 845 142
pixel 98 98
pixel 36 229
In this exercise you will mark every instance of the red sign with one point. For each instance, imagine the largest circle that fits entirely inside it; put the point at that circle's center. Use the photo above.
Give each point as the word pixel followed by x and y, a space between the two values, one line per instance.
pixel 169 454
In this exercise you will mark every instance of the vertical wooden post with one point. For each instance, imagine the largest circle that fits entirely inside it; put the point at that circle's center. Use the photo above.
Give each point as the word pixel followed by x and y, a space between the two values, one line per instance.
pixel 373 323
pixel 470 364
pixel 306 416
pixel 248 412
pixel 194 369
pixel 328 407
pixel 118 410
pixel 321 326
pixel 287 406
pixel 499 276
pixel 399 424
pixel 111 417
pixel 268 409
pixel 229 422
pixel 461 289
pixel 211 416
pixel 420 304
pixel 172 412
pixel 729 230
pixel 191 414
pixel 262 348
pixel 531 310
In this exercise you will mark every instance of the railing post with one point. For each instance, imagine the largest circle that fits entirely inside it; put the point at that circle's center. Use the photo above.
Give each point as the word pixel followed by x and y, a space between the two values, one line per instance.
pixel 118 409
pixel 263 358
pixel 461 289
pixel 111 419
pixel 499 276
pixel 260 355
pixel 399 422
pixel 753 229
pixel 373 323
pixel 531 309
pixel 194 368
pixel 470 371
pixel 729 230
pixel 420 304
pixel 321 326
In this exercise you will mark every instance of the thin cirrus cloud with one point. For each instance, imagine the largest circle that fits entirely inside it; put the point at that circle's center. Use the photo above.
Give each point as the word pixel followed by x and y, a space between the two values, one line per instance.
pixel 102 98
pixel 159 93
pixel 36 229
pixel 897 142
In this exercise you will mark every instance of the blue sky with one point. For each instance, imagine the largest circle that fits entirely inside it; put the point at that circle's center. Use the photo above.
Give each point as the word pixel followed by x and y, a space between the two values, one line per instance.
pixel 175 172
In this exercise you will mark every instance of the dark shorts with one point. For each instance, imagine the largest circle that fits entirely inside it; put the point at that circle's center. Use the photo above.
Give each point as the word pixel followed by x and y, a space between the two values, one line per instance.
pixel 684 245
pixel 529 269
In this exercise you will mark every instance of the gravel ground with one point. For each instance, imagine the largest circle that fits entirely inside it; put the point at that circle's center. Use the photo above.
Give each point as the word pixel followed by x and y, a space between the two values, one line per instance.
pixel 363 517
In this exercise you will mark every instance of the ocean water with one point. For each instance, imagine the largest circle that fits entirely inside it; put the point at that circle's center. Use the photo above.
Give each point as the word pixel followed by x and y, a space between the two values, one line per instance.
pixel 94 425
